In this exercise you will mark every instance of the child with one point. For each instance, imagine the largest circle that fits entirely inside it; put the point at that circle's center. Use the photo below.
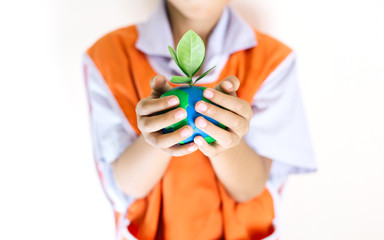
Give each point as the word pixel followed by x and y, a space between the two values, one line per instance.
pixel 228 190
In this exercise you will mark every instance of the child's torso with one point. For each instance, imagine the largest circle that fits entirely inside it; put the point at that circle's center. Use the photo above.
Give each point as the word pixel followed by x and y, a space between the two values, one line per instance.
pixel 189 202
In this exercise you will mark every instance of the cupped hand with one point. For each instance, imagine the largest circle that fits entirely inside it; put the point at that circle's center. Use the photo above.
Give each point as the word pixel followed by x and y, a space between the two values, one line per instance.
pixel 150 121
pixel 235 114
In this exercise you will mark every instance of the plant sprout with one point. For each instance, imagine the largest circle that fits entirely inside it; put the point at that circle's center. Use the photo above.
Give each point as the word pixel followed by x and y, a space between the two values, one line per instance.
pixel 189 57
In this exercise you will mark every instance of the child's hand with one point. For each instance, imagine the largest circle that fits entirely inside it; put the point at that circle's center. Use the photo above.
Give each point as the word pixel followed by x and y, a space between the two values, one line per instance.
pixel 150 123
pixel 236 118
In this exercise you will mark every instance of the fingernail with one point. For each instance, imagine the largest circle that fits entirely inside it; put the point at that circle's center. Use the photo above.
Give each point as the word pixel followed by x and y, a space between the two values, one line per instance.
pixel 202 107
pixel 201 122
pixel 180 114
pixel 185 132
pixel 199 142
pixel 227 84
pixel 155 79
pixel 173 101
pixel 208 94
pixel 192 148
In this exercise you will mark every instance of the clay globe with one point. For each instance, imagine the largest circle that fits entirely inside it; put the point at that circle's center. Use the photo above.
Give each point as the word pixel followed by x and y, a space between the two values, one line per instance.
pixel 188 97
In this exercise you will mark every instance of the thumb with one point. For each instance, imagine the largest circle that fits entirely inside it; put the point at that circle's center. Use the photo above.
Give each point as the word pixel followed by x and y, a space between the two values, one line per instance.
pixel 159 86
pixel 229 85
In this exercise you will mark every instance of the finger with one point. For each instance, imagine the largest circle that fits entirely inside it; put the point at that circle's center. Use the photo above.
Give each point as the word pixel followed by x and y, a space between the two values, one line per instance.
pixel 228 118
pixel 229 85
pixel 169 139
pixel 232 103
pixel 158 122
pixel 223 137
pixel 205 148
pixel 181 150
pixel 153 105
pixel 159 86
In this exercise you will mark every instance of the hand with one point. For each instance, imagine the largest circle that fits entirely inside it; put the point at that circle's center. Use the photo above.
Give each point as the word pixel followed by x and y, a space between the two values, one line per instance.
pixel 236 116
pixel 150 123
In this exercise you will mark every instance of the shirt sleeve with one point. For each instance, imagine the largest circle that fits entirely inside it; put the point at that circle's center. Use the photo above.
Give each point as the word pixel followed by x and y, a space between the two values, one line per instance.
pixel 111 132
pixel 278 128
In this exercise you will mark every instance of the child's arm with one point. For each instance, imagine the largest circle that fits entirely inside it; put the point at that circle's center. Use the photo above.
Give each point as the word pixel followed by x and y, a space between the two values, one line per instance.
pixel 144 162
pixel 241 170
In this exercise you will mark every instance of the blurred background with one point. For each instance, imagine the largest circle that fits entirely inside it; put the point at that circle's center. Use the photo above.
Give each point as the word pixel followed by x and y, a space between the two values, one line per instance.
pixel 48 184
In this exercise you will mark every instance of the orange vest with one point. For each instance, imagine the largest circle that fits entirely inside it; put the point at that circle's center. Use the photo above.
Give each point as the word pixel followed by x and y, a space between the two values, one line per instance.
pixel 189 202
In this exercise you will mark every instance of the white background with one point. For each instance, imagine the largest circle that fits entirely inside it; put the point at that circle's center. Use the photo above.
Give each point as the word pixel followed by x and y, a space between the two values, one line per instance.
pixel 48 183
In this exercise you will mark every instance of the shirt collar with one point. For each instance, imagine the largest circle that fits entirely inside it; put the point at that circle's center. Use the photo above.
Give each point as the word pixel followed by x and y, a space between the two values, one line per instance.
pixel 231 34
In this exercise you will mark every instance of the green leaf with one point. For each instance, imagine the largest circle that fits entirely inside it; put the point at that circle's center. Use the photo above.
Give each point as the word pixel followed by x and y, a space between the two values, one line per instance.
pixel 174 57
pixel 204 74
pixel 180 79
pixel 190 53
pixel 201 64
